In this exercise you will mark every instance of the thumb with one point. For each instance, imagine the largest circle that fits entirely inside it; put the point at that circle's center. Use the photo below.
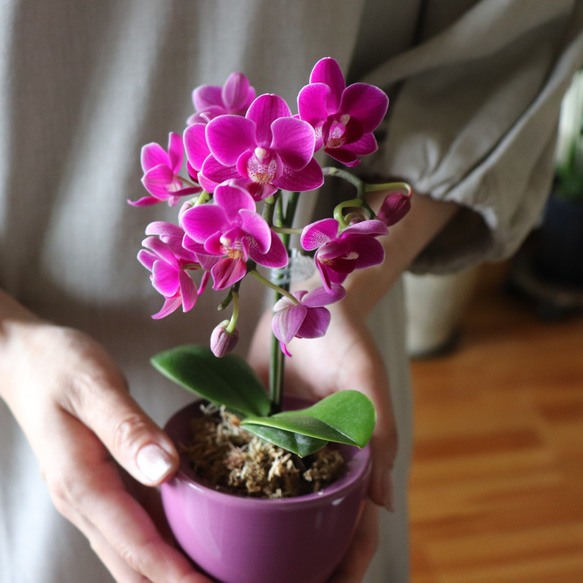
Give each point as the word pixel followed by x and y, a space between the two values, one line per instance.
pixel 131 437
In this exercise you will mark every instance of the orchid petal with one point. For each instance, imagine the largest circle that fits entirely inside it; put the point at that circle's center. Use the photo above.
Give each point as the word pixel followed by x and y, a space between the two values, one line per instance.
pixel 213 173
pixel 315 323
pixel 342 155
pixel 153 155
pixel 187 291
pixel 197 249
pixel 312 103
pixel 201 222
pixel 367 144
pixel 285 323
pixel 170 305
pixel 228 136
pixel 197 149
pixel 175 152
pixel 161 249
pixel 147 258
pixel 328 71
pixel 145 201
pixel 294 140
pixel 264 111
pixel 237 94
pixel 317 234
pixel 232 197
pixel 365 102
pixel 162 228
pixel 257 228
pixel 309 178
pixel 370 252
pixel 206 96
pixel 372 228
pixel 158 181
pixel 227 272
pixel 276 256
pixel 165 278
pixel 321 297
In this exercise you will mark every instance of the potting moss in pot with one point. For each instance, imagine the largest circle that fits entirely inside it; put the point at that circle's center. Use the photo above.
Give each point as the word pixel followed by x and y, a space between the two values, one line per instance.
pixel 268 489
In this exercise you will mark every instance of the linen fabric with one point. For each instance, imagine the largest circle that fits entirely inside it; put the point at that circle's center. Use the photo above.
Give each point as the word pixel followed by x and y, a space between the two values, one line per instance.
pixel 475 88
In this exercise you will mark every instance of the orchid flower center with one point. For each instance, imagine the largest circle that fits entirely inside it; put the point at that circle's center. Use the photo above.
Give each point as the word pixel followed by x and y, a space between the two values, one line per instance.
pixel 262 166
pixel 232 249
pixel 174 186
pixel 337 133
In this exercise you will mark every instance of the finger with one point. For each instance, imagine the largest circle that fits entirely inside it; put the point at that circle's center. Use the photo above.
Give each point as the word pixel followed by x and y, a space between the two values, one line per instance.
pixel 133 439
pixel 88 490
pixel 355 563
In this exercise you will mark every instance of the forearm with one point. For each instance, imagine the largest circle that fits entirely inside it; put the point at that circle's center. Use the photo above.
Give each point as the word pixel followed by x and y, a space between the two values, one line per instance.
pixel 405 241
pixel 15 319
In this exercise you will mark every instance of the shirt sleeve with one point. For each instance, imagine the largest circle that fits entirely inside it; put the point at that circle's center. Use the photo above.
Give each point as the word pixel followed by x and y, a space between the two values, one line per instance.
pixel 475 119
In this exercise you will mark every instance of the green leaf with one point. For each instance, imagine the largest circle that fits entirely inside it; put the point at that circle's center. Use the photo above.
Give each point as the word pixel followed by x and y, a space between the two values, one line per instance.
pixel 228 381
pixel 297 443
pixel 346 417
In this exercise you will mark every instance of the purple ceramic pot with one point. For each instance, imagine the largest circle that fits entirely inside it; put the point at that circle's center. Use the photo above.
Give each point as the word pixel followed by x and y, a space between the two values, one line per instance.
pixel 248 540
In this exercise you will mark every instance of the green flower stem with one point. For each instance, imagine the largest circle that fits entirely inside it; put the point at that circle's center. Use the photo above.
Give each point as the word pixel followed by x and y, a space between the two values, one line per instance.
pixel 393 186
pixel 280 290
pixel 203 197
pixel 283 224
pixel 235 315
pixel 269 209
pixel 287 230
pixel 348 177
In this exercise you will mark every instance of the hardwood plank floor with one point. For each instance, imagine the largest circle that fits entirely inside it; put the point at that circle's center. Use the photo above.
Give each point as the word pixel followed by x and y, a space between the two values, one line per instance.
pixel 497 482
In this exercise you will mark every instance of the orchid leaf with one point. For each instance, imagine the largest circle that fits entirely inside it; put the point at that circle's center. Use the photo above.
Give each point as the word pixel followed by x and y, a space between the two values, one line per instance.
pixel 301 445
pixel 346 417
pixel 228 381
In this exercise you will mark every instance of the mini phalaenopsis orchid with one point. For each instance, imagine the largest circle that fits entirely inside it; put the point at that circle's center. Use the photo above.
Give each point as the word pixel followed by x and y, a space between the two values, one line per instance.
pixel 248 159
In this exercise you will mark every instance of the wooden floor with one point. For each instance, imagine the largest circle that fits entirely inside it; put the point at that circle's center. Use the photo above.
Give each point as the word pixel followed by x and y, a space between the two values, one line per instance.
pixel 497 482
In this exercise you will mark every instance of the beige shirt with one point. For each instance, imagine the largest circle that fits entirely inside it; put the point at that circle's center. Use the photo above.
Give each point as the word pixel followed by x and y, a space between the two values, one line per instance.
pixel 475 88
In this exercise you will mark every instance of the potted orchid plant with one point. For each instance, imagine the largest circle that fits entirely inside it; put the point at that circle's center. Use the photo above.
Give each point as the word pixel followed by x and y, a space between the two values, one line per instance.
pixel 248 160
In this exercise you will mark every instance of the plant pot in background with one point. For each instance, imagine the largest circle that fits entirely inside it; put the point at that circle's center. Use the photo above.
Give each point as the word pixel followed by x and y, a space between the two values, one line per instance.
pixel 559 252
pixel 239 539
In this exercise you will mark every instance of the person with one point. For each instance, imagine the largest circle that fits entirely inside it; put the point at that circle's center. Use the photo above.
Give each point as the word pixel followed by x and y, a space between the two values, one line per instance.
pixel 475 88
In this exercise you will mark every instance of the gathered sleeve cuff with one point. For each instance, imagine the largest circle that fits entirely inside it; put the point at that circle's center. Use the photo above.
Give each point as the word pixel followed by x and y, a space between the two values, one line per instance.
pixel 474 121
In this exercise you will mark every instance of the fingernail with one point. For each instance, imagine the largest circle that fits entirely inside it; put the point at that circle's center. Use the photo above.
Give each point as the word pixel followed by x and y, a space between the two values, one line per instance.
pixel 154 463
pixel 389 491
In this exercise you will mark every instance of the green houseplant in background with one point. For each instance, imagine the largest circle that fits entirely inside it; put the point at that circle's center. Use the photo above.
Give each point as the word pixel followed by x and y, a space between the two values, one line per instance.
pixel 559 252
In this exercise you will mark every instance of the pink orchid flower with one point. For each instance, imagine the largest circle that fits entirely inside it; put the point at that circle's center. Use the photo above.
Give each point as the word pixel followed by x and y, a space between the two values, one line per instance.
pixel 169 261
pixel 339 254
pixel 210 101
pixel 161 173
pixel 268 149
pixel 305 319
pixel 343 117
pixel 231 229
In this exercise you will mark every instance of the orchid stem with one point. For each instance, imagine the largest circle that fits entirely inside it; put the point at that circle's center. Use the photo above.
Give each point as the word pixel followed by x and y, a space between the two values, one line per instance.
pixel 235 315
pixel 283 224
pixel 280 290
pixel 287 230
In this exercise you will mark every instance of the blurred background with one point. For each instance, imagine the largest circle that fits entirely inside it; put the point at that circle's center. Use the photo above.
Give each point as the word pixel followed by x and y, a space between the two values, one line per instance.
pixel 497 482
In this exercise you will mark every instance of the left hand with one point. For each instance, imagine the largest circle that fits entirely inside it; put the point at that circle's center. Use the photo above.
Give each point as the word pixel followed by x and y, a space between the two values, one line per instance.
pixel 346 358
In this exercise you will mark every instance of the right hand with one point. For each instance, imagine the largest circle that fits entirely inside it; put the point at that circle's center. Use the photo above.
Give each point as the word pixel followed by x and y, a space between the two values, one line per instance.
pixel 72 402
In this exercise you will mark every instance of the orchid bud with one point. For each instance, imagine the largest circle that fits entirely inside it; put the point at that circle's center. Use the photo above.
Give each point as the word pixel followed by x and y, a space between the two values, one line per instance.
pixel 395 206
pixel 223 341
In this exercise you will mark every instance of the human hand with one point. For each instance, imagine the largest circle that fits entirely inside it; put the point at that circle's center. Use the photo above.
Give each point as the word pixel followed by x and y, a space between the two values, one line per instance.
pixel 346 358
pixel 72 403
